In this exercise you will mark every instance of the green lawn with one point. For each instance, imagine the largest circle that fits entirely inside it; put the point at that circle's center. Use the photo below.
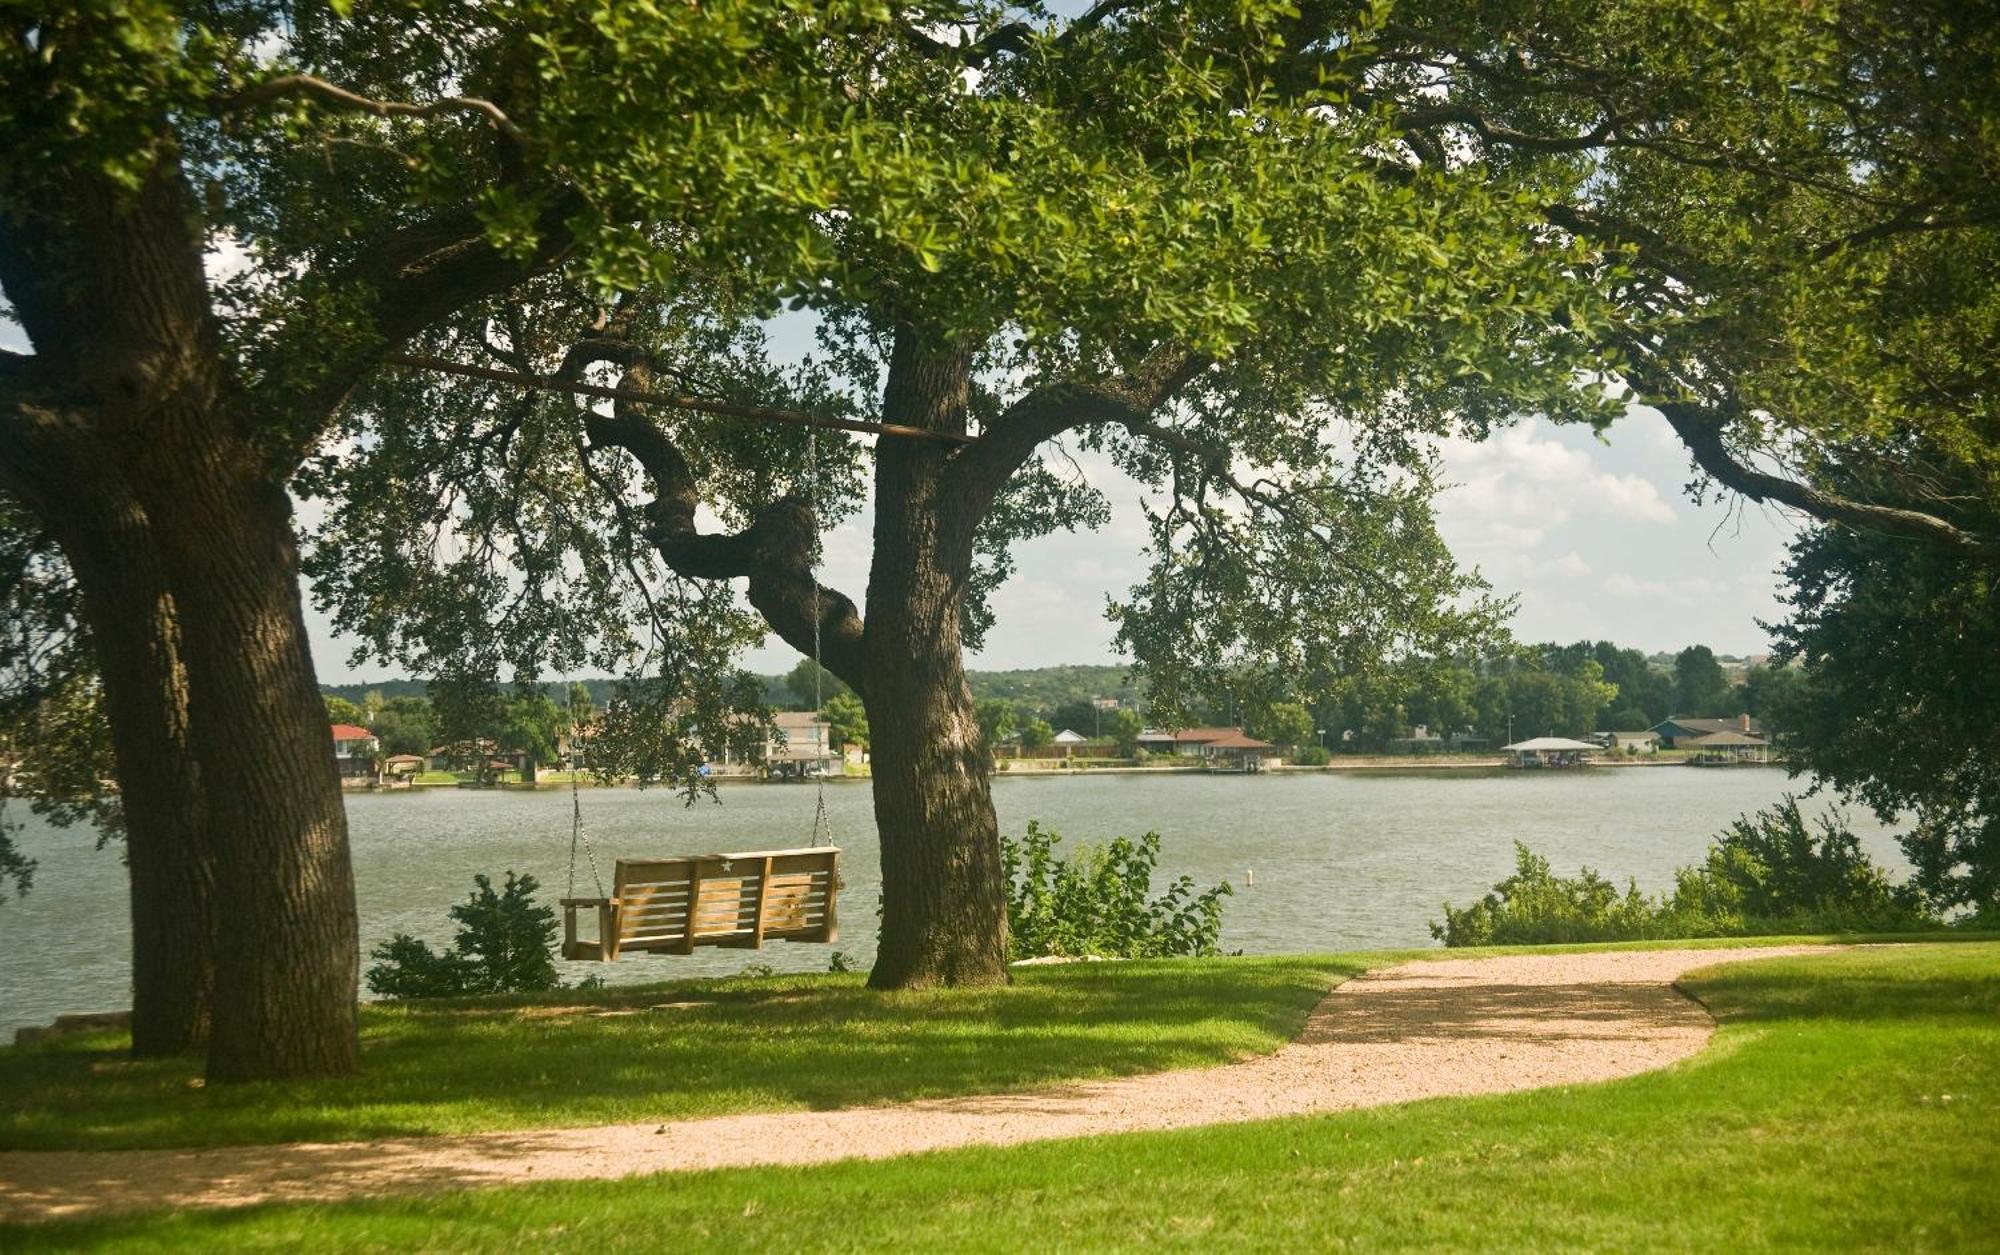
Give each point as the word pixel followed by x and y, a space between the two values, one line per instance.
pixel 686 1048
pixel 1851 1101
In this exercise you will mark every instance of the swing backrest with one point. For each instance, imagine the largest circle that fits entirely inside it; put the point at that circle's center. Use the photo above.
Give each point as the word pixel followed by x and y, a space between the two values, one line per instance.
pixel 672 905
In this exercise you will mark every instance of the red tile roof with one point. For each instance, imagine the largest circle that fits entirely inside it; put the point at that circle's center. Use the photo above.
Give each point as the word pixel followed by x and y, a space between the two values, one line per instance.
pixel 348 732
pixel 1202 736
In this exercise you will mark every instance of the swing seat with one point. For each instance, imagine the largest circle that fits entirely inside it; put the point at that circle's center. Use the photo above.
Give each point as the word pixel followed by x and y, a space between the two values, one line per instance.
pixel 672 905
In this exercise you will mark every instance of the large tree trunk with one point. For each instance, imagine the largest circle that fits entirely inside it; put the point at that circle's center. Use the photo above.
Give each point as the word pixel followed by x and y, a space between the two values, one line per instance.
pixel 136 639
pixel 132 387
pixel 287 967
pixel 944 907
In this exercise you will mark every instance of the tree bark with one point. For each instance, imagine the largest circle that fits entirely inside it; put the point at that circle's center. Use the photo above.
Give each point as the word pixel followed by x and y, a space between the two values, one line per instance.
pixel 944 906
pixel 288 963
pixel 130 387
pixel 135 636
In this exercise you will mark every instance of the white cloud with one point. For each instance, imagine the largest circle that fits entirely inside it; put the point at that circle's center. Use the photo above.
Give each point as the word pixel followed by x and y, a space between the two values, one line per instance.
pixel 1619 584
pixel 1515 488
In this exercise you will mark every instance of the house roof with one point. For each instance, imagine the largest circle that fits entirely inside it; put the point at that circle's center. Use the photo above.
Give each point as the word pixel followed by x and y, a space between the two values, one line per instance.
pixel 1205 736
pixel 1708 725
pixel 1726 737
pixel 348 732
pixel 798 719
pixel 1635 736
pixel 404 758
pixel 1238 741
pixel 1548 743
pixel 1067 737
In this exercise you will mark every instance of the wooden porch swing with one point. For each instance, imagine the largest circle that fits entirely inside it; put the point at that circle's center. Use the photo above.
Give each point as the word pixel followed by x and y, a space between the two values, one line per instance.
pixel 672 905
pixel 740 901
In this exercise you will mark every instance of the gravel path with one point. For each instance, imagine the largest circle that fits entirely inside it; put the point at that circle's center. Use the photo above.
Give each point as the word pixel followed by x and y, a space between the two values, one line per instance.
pixel 1420 1030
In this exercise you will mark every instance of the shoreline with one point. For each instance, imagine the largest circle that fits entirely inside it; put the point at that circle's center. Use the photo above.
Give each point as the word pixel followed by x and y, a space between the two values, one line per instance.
pixel 1368 766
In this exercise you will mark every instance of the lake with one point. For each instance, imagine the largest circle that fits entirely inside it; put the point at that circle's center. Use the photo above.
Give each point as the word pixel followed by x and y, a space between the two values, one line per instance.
pixel 1340 860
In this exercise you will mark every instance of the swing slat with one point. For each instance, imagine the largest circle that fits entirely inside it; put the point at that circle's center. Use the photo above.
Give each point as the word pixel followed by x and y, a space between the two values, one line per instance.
pixel 671 906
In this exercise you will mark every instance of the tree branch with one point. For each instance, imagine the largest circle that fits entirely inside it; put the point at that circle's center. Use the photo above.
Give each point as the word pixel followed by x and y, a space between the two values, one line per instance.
pixel 333 96
pixel 1701 429
pixel 670 400
pixel 983 469
pixel 774 553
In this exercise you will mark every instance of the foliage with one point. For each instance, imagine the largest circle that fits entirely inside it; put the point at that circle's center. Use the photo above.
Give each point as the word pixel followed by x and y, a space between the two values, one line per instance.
pixel 1284 723
pixel 55 738
pixel 1036 734
pixel 847 720
pixel 404 726
pixel 340 710
pixel 997 720
pixel 1094 903
pixel 1126 725
pixel 531 726
pixel 1534 906
pixel 1700 687
pixel 1313 756
pixel 503 945
pixel 1044 689
pixel 1767 874
pixel 811 684
pixel 1773 872
pixel 1897 702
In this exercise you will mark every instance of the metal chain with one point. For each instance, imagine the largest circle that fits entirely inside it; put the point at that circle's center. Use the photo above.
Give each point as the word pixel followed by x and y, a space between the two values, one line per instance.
pixel 576 832
pixel 822 829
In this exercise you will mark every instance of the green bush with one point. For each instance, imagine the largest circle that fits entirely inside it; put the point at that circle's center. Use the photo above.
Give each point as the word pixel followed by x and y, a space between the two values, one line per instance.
pixel 1312 756
pixel 1766 874
pixel 1772 873
pixel 1095 902
pixel 504 945
pixel 1535 906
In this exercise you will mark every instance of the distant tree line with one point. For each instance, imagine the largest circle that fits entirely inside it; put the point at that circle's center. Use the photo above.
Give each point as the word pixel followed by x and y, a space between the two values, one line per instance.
pixel 1518 690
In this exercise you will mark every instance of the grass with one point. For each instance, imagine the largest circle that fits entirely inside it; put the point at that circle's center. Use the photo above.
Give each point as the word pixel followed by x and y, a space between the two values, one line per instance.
pixel 1850 1101
pixel 686 1048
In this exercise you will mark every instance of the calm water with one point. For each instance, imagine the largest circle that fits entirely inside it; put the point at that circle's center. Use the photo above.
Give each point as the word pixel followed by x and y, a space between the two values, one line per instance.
pixel 1340 861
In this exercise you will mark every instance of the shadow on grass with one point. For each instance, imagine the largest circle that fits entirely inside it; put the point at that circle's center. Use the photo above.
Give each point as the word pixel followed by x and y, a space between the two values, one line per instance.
pixel 677 1050
pixel 1542 1013
pixel 1853 986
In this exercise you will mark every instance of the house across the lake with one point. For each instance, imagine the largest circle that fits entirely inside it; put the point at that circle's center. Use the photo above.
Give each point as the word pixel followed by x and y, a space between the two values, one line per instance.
pixel 1676 732
pixel 1217 747
pixel 354 751
pixel 806 751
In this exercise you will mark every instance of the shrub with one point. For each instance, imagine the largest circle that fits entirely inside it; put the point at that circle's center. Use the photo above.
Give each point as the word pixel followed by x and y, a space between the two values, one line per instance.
pixel 1312 756
pixel 1535 906
pixel 504 945
pixel 1773 873
pixel 1095 902
pixel 1767 873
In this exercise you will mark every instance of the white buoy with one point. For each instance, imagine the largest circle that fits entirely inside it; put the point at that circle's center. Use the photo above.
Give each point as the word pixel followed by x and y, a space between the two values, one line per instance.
pixel 1249 877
